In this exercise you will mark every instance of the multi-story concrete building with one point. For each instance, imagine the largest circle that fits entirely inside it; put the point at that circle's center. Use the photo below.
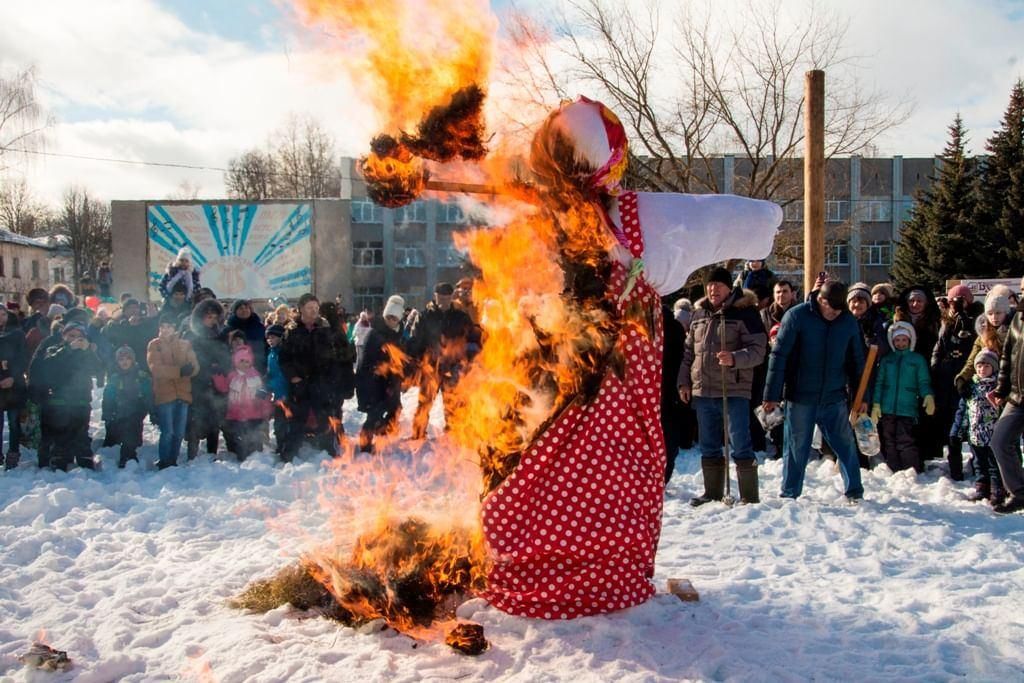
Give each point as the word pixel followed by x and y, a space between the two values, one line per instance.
pixel 24 265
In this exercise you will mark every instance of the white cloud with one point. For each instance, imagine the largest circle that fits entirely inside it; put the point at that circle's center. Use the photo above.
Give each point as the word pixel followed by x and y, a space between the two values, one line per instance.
pixel 130 80
pixel 140 85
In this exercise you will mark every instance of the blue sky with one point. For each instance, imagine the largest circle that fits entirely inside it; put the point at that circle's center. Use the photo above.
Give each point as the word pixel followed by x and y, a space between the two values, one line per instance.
pixel 201 82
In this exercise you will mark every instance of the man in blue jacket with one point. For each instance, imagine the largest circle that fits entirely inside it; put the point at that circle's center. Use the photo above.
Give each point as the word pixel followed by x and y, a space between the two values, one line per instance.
pixel 818 355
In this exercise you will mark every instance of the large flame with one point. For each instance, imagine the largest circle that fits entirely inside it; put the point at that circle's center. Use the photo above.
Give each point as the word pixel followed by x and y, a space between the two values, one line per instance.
pixel 406 535
pixel 412 55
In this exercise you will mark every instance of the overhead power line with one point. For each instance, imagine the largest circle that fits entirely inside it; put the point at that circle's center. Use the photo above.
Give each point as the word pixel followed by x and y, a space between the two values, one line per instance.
pixel 160 164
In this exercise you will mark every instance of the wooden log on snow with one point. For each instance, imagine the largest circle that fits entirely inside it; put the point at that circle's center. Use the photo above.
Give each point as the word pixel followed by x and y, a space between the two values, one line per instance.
pixel 683 589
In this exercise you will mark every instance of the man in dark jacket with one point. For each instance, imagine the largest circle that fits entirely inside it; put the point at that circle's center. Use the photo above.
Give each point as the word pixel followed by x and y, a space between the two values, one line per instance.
pixel 677 418
pixel 1006 437
pixel 440 342
pixel 317 361
pixel 209 341
pixel 817 356
pixel 244 320
pixel 60 382
pixel 38 302
pixel 783 299
pixel 717 369
pixel 379 374
pixel 176 304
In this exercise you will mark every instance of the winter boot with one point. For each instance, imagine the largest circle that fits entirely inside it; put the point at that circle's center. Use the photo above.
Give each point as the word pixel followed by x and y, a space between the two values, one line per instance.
pixel 714 481
pixel 746 475
pixel 998 493
pixel 86 461
pixel 11 460
pixel 955 458
pixel 982 491
pixel 1012 504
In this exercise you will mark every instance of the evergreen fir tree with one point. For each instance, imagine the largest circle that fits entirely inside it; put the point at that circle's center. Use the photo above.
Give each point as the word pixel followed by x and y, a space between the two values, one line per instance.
pixel 1000 215
pixel 939 240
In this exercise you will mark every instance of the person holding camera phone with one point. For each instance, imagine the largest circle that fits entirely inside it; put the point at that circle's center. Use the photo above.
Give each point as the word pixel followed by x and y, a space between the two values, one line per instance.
pixel 60 382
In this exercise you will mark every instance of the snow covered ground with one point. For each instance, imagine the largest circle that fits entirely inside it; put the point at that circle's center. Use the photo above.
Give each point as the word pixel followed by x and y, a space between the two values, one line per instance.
pixel 128 571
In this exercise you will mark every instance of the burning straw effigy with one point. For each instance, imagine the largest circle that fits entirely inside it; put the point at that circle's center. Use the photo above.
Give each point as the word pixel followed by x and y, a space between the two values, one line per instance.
pixel 551 338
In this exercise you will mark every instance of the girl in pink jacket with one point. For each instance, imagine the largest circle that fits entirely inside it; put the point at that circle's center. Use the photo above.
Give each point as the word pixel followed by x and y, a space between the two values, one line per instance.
pixel 248 404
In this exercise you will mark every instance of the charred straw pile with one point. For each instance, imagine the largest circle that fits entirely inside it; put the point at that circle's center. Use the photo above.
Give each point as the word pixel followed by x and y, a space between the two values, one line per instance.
pixel 407 573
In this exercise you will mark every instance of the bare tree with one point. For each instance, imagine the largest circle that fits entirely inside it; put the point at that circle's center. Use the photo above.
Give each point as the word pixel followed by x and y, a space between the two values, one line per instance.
pixel 692 87
pixel 20 212
pixel 22 120
pixel 84 221
pixel 251 175
pixel 186 189
pixel 305 161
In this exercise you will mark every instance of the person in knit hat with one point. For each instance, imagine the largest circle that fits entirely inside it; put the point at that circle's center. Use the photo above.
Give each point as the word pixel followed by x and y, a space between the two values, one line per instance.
pixel 379 375
pixel 127 399
pixel 951 353
pixel 883 300
pixel 870 320
pixel 981 417
pixel 248 404
pixel 992 335
pixel 60 383
pixel 903 385
pixel 182 270
pixel 277 384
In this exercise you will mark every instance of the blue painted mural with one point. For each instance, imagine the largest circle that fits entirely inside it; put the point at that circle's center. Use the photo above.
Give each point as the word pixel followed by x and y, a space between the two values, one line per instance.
pixel 242 250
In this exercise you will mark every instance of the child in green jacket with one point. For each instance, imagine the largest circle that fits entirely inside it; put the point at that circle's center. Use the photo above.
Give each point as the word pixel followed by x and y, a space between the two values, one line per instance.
pixel 902 385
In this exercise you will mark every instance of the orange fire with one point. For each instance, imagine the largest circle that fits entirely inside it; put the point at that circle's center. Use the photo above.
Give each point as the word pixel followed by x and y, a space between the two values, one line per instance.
pixel 405 527
pixel 410 55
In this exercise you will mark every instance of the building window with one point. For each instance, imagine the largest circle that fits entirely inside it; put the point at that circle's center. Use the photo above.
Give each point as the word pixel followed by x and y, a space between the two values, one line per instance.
pixel 368 254
pixel 837 254
pixel 836 211
pixel 58 274
pixel 409 257
pixel 35 270
pixel 369 298
pixel 794 211
pixel 16 267
pixel 878 254
pixel 452 213
pixel 3 273
pixel 877 211
pixel 365 211
pixel 411 213
pixel 449 257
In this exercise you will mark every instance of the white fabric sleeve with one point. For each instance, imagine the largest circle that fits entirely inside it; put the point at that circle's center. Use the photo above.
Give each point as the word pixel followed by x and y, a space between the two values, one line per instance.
pixel 683 232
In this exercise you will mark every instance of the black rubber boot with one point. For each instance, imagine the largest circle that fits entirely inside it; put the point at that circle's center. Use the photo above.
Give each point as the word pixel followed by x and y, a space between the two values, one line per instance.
pixel 11 460
pixel 714 481
pixel 982 491
pixel 746 475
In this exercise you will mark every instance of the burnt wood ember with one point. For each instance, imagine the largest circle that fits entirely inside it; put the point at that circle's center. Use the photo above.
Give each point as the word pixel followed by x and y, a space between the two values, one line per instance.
pixel 467 638
pixel 42 656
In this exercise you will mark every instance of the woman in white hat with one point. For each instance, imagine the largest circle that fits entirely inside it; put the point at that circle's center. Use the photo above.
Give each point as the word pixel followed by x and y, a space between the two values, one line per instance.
pixel 180 270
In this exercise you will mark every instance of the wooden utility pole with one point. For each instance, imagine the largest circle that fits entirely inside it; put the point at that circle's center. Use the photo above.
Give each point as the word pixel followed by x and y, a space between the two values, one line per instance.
pixel 814 177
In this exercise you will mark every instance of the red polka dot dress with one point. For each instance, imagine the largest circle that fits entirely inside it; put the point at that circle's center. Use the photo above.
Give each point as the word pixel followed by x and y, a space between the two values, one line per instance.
pixel 573 531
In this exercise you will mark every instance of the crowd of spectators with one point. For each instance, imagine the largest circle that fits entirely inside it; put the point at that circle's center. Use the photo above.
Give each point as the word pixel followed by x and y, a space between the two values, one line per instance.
pixel 948 371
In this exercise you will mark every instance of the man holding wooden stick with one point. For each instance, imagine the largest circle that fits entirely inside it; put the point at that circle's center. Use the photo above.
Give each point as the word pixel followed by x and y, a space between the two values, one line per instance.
pixel 818 358
pixel 725 343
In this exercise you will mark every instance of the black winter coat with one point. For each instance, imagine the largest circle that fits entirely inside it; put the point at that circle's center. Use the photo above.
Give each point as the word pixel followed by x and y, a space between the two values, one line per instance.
pixel 13 364
pixel 322 358
pixel 443 336
pixel 255 335
pixel 378 377
pixel 62 376
pixel 136 337
pixel 211 348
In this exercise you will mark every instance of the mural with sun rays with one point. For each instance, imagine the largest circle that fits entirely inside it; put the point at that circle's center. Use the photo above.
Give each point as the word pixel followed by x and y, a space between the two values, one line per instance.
pixel 242 250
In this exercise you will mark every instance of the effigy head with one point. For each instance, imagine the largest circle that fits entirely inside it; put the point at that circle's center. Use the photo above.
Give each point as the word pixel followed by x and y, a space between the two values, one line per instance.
pixel 582 144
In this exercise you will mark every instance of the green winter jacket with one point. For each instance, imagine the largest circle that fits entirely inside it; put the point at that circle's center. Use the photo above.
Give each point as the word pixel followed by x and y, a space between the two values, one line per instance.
pixel 902 382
